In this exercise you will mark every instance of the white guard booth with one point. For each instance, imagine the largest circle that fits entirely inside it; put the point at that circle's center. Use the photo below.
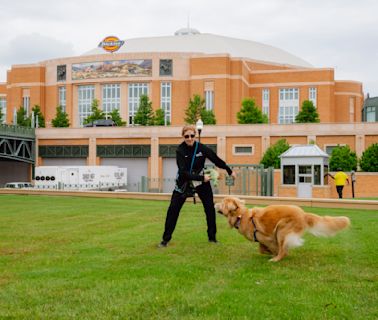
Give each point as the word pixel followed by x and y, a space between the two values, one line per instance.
pixel 305 167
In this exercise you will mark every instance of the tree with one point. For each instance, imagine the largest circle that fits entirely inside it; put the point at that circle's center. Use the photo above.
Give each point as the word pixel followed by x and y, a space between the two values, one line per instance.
pixel 97 114
pixel 271 156
pixel 116 117
pixel 369 159
pixel 208 116
pixel 195 107
pixel 197 110
pixel 342 157
pixel 1 115
pixel 144 115
pixel 22 119
pixel 308 113
pixel 61 119
pixel 38 116
pixel 159 118
pixel 250 113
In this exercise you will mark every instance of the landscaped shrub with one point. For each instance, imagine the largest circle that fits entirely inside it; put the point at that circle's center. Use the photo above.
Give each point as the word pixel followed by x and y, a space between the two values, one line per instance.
pixel 344 158
pixel 369 159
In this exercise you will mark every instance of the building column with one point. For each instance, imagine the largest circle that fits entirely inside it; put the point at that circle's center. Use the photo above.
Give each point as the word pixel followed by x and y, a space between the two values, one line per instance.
pixel 92 152
pixel 221 148
pixel 69 103
pixel 311 139
pixel 154 174
pixel 360 144
pixel 98 94
pixel 75 108
pixel 124 108
pixel 265 144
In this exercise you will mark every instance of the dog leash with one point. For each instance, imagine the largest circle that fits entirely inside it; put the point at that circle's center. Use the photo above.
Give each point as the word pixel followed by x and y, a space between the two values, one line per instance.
pixel 191 168
pixel 180 190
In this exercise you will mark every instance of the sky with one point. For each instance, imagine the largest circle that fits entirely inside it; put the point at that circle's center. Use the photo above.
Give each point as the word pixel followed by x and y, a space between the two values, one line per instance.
pixel 339 34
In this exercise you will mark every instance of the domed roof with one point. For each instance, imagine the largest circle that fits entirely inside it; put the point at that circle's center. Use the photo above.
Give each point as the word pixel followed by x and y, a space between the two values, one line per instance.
pixel 186 31
pixel 192 41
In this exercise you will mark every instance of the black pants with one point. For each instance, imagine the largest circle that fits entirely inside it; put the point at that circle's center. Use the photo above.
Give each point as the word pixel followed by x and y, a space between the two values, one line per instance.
pixel 205 193
pixel 340 191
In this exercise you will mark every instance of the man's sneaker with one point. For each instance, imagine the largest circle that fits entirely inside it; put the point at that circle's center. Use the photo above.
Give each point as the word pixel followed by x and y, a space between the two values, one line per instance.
pixel 213 241
pixel 163 244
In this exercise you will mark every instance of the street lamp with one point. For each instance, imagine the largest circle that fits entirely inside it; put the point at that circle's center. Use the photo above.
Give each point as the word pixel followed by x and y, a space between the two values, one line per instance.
pixel 199 127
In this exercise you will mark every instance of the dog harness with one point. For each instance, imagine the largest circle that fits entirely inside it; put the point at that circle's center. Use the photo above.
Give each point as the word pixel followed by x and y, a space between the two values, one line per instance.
pixel 255 230
pixel 237 224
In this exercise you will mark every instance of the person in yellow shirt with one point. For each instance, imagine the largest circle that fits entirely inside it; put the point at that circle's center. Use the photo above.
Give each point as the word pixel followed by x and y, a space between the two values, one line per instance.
pixel 340 178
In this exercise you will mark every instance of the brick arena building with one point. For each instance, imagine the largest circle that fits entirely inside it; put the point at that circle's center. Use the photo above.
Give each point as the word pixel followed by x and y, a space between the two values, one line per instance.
pixel 170 70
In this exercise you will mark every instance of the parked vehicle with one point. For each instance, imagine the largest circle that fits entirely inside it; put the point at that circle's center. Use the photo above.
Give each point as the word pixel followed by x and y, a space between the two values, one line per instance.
pixel 80 177
pixel 18 185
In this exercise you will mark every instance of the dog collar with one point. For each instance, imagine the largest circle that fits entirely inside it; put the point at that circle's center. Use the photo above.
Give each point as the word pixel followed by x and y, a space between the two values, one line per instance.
pixel 237 222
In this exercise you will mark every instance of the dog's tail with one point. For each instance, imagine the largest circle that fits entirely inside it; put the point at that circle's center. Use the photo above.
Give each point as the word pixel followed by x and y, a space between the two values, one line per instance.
pixel 325 226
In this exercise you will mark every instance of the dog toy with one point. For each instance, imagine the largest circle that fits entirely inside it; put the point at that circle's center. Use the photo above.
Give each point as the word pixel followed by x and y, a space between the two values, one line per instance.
pixel 214 175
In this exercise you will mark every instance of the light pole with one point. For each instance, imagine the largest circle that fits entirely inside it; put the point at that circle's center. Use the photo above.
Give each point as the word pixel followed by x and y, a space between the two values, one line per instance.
pixel 199 127
pixel 353 178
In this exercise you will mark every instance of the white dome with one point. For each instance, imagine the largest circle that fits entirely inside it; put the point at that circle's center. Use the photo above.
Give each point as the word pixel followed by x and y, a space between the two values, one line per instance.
pixel 192 41
pixel 186 31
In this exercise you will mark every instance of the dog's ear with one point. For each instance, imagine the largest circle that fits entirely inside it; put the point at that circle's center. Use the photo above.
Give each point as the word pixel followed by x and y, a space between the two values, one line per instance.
pixel 238 202
pixel 232 205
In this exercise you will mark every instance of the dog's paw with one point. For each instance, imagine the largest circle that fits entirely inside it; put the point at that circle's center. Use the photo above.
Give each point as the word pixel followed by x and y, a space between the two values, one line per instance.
pixel 274 259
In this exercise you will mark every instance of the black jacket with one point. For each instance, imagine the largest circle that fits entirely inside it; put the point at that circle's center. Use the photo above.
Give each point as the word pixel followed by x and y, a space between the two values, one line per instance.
pixel 184 154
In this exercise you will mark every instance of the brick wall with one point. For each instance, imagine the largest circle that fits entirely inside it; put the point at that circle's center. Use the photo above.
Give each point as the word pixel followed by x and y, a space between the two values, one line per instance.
pixel 366 186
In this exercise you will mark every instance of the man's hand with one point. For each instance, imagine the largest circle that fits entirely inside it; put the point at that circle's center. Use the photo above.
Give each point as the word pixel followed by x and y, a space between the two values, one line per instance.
pixel 233 174
pixel 206 178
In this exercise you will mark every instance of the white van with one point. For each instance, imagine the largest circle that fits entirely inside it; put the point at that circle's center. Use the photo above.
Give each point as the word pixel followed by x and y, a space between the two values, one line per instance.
pixel 18 185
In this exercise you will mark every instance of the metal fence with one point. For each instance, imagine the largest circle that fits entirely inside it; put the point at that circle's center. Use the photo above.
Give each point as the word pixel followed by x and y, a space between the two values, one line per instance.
pixel 252 180
pixel 16 131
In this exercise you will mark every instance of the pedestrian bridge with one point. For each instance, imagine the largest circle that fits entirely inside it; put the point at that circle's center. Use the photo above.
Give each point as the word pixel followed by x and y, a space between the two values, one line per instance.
pixel 17 143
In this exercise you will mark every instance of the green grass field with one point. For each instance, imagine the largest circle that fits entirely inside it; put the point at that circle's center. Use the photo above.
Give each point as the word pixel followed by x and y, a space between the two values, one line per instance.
pixel 90 258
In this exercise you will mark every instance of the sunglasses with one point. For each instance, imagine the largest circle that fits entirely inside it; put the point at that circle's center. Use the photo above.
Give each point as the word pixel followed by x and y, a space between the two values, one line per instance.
pixel 187 136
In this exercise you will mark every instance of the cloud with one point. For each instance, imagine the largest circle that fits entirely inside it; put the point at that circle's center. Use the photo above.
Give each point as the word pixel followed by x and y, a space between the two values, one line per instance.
pixel 340 34
pixel 31 48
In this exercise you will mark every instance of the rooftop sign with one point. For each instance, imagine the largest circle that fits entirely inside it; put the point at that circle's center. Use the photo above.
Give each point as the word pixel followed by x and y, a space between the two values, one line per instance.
pixel 111 43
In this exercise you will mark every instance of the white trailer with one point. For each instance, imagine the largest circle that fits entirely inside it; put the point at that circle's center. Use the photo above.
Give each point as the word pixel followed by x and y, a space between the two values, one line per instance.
pixel 80 177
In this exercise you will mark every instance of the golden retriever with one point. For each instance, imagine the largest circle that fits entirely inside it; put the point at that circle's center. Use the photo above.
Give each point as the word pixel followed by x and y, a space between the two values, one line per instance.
pixel 277 227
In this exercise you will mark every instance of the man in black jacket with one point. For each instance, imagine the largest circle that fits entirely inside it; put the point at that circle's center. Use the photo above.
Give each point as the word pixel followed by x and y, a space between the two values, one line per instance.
pixel 190 158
